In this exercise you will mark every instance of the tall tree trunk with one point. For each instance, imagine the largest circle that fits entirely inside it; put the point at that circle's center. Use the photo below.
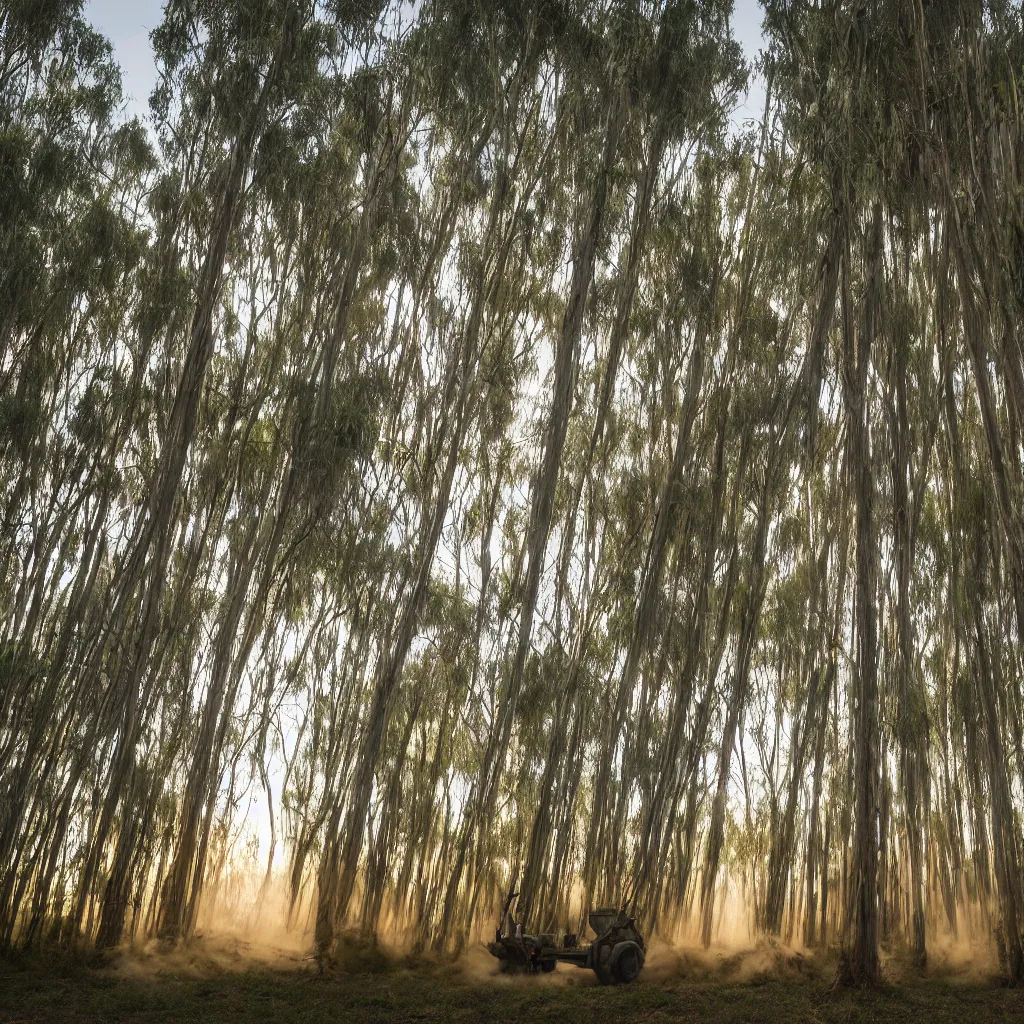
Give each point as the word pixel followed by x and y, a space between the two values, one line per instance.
pixel 861 962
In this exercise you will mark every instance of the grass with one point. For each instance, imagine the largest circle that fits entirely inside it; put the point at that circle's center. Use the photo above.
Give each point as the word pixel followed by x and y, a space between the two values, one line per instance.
pixel 204 989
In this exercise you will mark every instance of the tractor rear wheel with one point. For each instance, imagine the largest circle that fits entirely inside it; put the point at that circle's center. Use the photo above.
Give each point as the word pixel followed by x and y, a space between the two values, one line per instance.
pixel 627 966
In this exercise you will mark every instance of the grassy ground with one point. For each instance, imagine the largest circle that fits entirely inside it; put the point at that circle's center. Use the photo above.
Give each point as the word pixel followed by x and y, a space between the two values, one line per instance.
pixel 197 987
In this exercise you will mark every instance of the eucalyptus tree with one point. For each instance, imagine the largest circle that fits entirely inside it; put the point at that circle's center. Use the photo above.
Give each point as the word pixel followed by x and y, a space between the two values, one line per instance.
pixel 588 236
pixel 72 256
pixel 231 77
pixel 511 58
pixel 970 203
pixel 834 44
pixel 321 445
pixel 254 80
pixel 685 85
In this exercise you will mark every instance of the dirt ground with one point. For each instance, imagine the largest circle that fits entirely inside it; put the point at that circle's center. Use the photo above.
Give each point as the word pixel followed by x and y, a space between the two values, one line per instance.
pixel 236 981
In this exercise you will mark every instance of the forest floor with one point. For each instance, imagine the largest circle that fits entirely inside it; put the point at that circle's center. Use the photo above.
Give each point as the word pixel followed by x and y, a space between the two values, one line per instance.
pixel 227 983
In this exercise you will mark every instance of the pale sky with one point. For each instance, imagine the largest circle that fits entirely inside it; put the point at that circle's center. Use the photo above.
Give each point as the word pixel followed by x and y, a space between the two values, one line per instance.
pixel 127 24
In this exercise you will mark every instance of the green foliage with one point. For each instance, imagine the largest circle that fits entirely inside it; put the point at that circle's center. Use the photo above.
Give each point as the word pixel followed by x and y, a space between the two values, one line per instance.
pixel 441 421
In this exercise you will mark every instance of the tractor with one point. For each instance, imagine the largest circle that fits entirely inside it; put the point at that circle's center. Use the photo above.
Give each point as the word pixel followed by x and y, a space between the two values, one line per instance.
pixel 616 954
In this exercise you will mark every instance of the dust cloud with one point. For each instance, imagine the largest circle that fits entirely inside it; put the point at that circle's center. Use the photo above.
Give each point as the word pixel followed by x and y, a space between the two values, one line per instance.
pixel 246 922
